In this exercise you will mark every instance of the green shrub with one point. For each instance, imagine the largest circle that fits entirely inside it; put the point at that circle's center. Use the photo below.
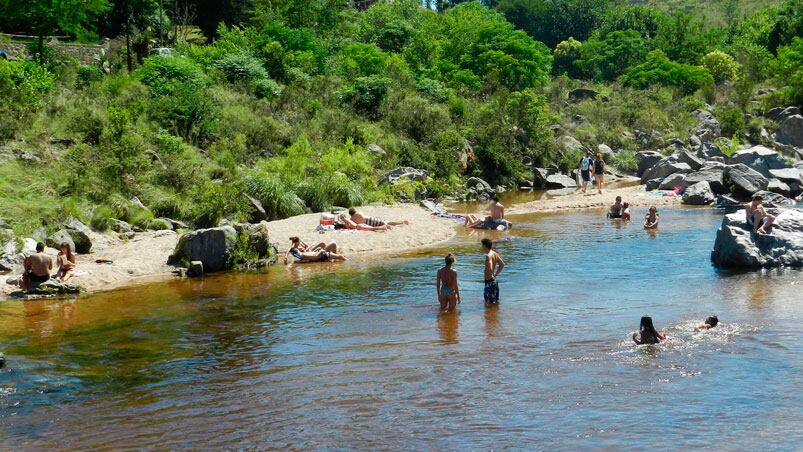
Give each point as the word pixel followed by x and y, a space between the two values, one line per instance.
pixel 721 66
pixel 659 70
pixel 102 218
pixel 366 94
pixel 610 57
pixel 434 89
pixel 240 67
pixel 362 60
pixel 790 65
pixel 564 56
pixel 277 200
pixel 87 73
pixel 732 122
pixel 267 89
pixel 188 111
pixel 418 118
pixel 625 160
pixel 214 201
pixel 164 75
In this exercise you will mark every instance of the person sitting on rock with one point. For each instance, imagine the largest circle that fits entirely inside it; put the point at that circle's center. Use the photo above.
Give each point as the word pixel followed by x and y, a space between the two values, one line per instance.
pixel 36 269
pixel 310 256
pixel 647 334
pixel 709 323
pixel 66 263
pixel 303 247
pixel 615 212
pixel 626 211
pixel 349 223
pixel 757 217
pixel 651 219
pixel 360 218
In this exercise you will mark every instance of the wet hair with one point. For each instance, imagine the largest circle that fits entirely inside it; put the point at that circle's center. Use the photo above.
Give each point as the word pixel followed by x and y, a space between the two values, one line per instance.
pixel 494 198
pixel 69 250
pixel 713 321
pixel 487 243
pixel 295 239
pixel 653 208
pixel 352 211
pixel 758 197
pixel 40 247
pixel 618 198
pixel 646 331
pixel 449 259
pixel 626 205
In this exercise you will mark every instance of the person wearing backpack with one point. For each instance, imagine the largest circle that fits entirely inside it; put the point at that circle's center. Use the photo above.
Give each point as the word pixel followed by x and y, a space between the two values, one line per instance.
pixel 585 170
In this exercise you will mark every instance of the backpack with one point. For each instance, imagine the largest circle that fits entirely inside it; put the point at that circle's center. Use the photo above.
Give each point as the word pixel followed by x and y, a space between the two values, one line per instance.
pixel 585 163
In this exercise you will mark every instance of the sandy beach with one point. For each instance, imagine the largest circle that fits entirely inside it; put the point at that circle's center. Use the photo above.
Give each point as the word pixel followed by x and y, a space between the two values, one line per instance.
pixel 636 196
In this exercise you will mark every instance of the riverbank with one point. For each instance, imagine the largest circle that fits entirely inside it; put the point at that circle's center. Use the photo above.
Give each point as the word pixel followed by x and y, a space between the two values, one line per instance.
pixel 556 201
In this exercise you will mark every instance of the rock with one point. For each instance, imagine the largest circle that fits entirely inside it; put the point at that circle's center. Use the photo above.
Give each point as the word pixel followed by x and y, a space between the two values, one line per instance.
pixel 775 200
pixel 374 148
pixel 672 181
pixel 727 203
pixel 736 246
pixel 779 114
pixel 653 184
pixel 781 188
pixel 571 143
pixel 746 181
pixel 760 158
pixel 176 224
pixel 791 177
pixel 791 131
pixel 9 259
pixel 196 268
pixel 28 246
pixel 646 160
pixel 53 287
pixel 404 172
pixel 605 150
pixel 708 151
pixel 126 235
pixel 560 181
pixel 137 203
pixel 579 120
pixel 709 129
pixel 479 185
pixel 211 246
pixel 434 208
pixel 695 141
pixel 665 168
pixel 259 239
pixel 120 226
pixel 699 194
pixel 257 211
pixel 579 94
pixel 690 159
pixel 80 236
pixel 57 238
pixel 713 175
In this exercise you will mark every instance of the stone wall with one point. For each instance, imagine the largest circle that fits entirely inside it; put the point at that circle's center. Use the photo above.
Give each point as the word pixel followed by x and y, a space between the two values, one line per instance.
pixel 86 54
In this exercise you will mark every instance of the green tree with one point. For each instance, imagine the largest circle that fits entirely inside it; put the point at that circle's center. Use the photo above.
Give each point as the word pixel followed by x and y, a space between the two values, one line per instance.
pixel 553 21
pixel 721 66
pixel 660 70
pixel 564 56
pixel 609 58
pixel 644 19
pixel 790 66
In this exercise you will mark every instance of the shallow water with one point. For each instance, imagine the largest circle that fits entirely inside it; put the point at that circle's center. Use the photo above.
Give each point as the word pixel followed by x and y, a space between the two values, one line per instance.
pixel 356 356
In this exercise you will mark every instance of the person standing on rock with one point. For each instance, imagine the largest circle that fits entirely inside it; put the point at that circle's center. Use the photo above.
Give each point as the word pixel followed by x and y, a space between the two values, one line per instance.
pixel 599 171
pixel 586 164
pixel 37 268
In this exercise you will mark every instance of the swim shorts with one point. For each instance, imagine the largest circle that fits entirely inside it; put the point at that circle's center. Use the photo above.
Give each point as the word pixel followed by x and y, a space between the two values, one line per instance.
pixel 491 291
pixel 586 175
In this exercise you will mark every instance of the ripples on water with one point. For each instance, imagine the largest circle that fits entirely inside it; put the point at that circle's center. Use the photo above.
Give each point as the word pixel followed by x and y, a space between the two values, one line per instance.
pixel 357 356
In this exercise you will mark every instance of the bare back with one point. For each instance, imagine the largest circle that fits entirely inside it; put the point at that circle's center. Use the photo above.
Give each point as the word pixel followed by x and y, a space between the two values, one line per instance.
pixel 448 278
pixel 497 211
pixel 493 265
pixel 39 264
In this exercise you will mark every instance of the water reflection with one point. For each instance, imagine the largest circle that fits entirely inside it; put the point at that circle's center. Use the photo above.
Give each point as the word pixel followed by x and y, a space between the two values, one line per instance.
pixel 448 325
pixel 491 316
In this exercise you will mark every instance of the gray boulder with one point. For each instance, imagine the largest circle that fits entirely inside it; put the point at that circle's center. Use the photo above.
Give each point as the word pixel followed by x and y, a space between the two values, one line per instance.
pixel 708 129
pixel 211 246
pixel 775 200
pixel 699 194
pixel 746 181
pixel 571 143
pixel 791 131
pixel 652 184
pixel 403 172
pixel 120 226
pixel 727 203
pixel 57 238
pixel 781 188
pixel 713 175
pixel 80 234
pixel 788 175
pixel 9 258
pixel 759 158
pixel 737 246
pixel 707 151
pixel 582 94
pixel 672 181
pixel 479 185
pixel 605 150
pixel 434 208
pixel 665 168
pixel 257 211
pixel 560 181
pixel 646 160
pixel 778 114
pixel 690 159
pixel 374 148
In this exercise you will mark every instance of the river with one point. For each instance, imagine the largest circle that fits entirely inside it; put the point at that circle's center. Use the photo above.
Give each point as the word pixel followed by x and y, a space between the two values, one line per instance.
pixel 356 355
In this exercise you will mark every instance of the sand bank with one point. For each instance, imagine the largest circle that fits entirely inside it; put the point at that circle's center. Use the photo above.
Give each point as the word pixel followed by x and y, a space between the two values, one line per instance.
pixel 636 196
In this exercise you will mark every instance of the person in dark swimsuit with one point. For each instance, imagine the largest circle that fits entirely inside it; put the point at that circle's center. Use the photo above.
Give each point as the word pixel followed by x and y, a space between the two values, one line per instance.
pixel 616 209
pixel 647 334
pixel 493 267
pixel 310 256
pixel 599 172
pixel 446 285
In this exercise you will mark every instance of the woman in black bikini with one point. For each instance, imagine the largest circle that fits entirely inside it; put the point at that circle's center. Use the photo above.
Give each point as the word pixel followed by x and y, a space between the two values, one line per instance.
pixel 599 172
pixel 310 256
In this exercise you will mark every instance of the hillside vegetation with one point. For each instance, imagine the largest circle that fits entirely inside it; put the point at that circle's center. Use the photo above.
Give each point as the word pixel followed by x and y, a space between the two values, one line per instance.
pixel 306 105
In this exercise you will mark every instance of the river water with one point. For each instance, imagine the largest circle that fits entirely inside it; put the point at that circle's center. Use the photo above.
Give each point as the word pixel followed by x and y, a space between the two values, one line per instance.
pixel 356 355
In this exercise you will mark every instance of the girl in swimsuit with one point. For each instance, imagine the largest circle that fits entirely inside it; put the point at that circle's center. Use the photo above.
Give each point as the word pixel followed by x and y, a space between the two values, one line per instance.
pixel 651 220
pixel 350 224
pixel 647 334
pixel 66 261
pixel 446 285
pixel 303 247
pixel 599 172
pixel 310 256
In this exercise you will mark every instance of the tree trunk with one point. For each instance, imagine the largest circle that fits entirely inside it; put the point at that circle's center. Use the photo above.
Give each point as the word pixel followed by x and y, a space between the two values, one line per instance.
pixel 41 49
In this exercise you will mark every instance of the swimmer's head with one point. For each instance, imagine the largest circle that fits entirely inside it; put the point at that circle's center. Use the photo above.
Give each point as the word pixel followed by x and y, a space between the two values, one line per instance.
pixel 352 211
pixel 294 240
pixel 626 205
pixel 712 321
pixel 618 199
pixel 487 243
pixel 449 259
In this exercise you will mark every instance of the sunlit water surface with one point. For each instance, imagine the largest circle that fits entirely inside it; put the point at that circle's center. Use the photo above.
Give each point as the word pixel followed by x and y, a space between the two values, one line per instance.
pixel 356 355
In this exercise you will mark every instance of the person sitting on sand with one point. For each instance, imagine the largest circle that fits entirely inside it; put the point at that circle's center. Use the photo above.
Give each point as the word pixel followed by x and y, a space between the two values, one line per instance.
pixel 709 323
pixel 36 268
pixel 351 224
pixel 647 334
pixel 446 285
pixel 360 218
pixel 626 211
pixel 66 263
pixel 310 256
pixel 757 217
pixel 475 222
pixel 303 247
pixel 651 219
pixel 615 211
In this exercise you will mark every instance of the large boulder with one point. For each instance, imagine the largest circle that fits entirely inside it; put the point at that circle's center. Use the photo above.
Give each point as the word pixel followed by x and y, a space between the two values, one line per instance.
pixel 665 168
pixel 727 203
pixel 257 211
pixel 80 234
pixel 652 184
pixel 582 94
pixel 9 258
pixel 791 177
pixel 690 159
pixel 560 181
pixel 708 129
pixel 672 182
pixel 737 246
pixel 713 175
pixel 402 172
pixel 778 114
pixel 708 151
pixel 759 158
pixel 646 160
pixel 746 181
pixel 57 238
pixel 775 200
pixel 699 194
pixel 781 188
pixel 791 131
pixel 479 185
pixel 211 246
pixel 571 143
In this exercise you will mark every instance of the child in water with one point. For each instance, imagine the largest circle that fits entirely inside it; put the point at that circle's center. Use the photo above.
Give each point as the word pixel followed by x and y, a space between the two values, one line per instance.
pixel 651 220
pixel 626 211
pixel 647 334
pixel 709 323
pixel 446 285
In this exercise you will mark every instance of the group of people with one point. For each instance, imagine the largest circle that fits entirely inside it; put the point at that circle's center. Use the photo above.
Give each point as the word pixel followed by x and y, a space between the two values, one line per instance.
pixel 621 210
pixel 647 334
pixel 37 267
pixel 590 165
pixel 496 219
pixel 448 289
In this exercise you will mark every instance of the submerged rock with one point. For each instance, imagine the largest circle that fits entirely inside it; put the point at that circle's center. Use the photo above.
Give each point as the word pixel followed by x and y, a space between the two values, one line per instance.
pixel 737 246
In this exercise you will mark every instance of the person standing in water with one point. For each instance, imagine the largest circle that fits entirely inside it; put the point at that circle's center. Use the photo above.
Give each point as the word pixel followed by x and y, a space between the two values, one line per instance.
pixel 493 267
pixel 651 220
pixel 599 172
pixel 446 285
pixel 647 334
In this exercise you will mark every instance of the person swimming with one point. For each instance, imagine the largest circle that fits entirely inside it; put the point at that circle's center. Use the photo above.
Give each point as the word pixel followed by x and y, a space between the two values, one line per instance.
pixel 652 218
pixel 446 285
pixel 615 211
pixel 647 334
pixel 709 323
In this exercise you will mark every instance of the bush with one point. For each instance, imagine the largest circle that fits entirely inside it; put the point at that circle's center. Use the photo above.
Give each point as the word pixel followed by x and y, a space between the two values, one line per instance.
pixel 418 118
pixel 434 89
pixel 276 198
pixel 86 73
pixel 102 218
pixel 362 60
pixel 164 75
pixel 790 65
pixel 367 94
pixel 609 58
pixel 564 56
pixel 721 66
pixel 732 122
pixel 214 201
pixel 267 89
pixel 660 70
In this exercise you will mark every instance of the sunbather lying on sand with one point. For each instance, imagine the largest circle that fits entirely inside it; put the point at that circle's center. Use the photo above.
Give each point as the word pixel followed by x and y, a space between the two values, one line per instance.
pixel 310 256
pixel 351 224
pixel 304 248
pixel 360 218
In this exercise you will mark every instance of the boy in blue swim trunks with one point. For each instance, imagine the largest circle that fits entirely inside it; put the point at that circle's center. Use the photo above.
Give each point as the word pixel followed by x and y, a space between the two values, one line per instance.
pixel 493 267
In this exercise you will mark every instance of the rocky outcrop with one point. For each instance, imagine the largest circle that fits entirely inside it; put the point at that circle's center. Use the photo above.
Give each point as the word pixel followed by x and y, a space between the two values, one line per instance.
pixel 672 182
pixel 571 143
pixel 746 180
pixel 665 168
pixel 791 131
pixel 57 238
pixel 80 234
pixel 257 211
pixel 759 158
pixel 549 178
pixel 737 246
pixel 778 114
pixel 646 160
pixel 690 159
pixel 781 188
pixel 211 246
pixel 727 203
pixel 708 129
pixel 403 172
pixel 775 200
pixel 699 194
pixel 714 175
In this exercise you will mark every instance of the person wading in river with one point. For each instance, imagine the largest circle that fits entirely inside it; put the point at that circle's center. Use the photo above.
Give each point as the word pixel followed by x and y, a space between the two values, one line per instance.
pixel 446 285
pixel 493 267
